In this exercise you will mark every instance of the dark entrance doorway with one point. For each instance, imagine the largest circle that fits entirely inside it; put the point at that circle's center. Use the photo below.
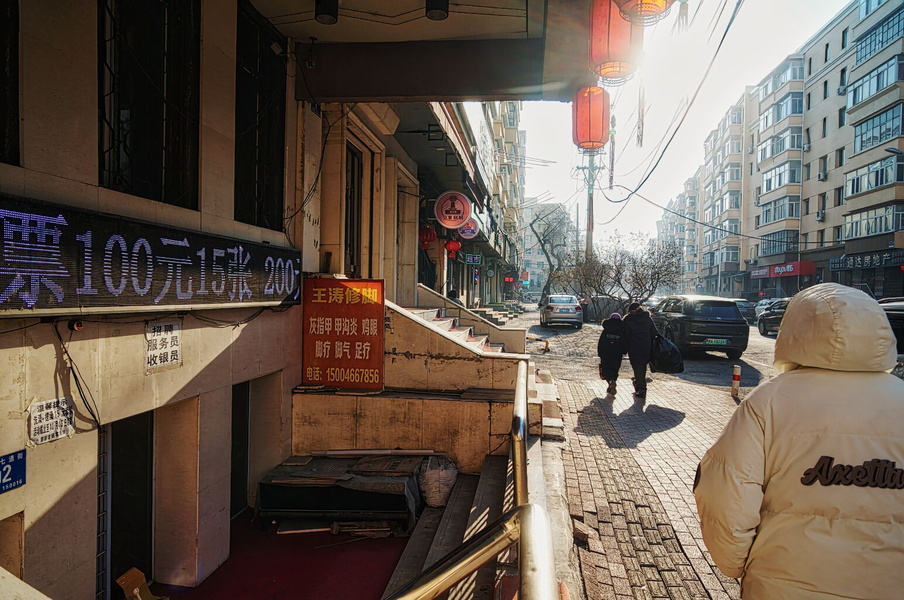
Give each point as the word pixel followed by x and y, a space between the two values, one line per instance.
pixel 131 497
pixel 241 421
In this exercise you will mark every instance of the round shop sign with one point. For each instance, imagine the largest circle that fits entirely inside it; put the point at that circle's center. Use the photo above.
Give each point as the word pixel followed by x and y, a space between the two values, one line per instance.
pixel 469 230
pixel 491 273
pixel 452 210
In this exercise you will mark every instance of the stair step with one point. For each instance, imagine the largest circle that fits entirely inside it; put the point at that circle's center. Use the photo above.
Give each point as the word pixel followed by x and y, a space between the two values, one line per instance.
pixel 451 529
pixel 462 333
pixel 495 348
pixel 444 323
pixel 411 563
pixel 478 340
pixel 486 508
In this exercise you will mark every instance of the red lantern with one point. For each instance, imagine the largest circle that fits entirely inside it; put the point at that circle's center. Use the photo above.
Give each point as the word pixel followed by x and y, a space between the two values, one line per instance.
pixel 590 117
pixel 427 235
pixel 644 12
pixel 615 44
pixel 453 246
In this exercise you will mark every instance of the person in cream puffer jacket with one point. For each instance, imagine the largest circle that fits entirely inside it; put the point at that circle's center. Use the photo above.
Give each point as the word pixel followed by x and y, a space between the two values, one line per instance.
pixel 802 496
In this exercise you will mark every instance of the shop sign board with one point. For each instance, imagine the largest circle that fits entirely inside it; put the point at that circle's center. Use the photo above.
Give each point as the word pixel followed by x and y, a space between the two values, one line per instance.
pixel 452 209
pixel 163 345
pixel 59 260
pixel 473 259
pixel 51 420
pixel 470 229
pixel 868 260
pixel 791 269
pixel 12 471
pixel 343 333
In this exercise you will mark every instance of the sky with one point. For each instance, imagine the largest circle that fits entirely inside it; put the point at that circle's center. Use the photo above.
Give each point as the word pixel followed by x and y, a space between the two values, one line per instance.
pixel 764 33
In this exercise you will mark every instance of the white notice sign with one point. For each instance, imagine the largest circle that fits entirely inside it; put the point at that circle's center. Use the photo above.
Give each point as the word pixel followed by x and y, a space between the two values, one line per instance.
pixel 163 348
pixel 51 420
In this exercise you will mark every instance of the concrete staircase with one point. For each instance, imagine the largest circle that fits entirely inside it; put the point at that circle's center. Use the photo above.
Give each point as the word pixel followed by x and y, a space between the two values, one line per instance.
pixel 452 327
pixel 473 504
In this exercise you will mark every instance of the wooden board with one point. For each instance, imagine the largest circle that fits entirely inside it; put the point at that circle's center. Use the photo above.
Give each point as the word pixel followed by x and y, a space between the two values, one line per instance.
pixel 387 466
pixel 411 563
pixel 288 526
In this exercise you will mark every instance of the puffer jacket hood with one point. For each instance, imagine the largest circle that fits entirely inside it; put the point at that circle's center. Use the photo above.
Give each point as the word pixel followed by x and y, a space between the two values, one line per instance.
pixel 832 326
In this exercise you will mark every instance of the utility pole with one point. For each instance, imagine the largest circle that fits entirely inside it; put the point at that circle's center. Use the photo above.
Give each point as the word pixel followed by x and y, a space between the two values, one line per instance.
pixel 590 182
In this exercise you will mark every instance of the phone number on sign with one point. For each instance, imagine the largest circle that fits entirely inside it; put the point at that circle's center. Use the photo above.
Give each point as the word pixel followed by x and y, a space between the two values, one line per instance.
pixel 353 375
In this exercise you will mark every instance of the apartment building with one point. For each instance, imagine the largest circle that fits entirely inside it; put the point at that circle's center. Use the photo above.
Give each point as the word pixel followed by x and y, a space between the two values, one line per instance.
pixel 545 225
pixel 721 204
pixel 822 193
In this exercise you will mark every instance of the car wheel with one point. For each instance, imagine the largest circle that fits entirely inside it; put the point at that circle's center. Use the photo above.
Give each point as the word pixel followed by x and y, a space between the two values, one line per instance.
pixel 762 327
pixel 734 354
pixel 579 325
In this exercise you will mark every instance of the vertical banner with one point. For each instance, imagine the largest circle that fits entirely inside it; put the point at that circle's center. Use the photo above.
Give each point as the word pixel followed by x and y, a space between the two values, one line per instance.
pixel 343 333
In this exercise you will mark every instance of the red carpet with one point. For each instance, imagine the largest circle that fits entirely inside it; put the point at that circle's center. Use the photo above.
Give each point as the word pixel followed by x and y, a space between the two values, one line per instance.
pixel 267 566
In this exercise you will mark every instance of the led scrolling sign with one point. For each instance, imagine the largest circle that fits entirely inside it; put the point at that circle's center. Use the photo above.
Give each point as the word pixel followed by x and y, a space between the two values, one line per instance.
pixel 63 261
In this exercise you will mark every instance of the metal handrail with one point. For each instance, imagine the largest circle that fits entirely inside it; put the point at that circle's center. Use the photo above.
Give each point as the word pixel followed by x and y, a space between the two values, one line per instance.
pixel 526 524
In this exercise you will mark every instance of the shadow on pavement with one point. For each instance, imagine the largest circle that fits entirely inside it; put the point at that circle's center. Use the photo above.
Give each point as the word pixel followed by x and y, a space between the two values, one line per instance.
pixel 704 368
pixel 629 427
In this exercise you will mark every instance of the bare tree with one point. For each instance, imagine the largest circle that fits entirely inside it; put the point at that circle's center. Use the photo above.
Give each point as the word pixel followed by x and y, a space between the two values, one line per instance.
pixel 623 269
pixel 551 226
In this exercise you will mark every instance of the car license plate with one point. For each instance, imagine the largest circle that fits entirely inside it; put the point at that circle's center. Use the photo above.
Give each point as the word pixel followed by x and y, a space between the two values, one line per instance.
pixel 565 310
pixel 716 341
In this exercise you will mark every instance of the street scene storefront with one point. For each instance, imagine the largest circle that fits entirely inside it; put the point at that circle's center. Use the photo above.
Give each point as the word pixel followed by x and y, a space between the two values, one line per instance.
pixel 880 273
pixel 779 281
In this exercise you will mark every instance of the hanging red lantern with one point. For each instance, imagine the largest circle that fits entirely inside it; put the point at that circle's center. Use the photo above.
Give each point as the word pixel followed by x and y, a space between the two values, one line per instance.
pixel 615 44
pixel 453 246
pixel 644 12
pixel 427 235
pixel 590 118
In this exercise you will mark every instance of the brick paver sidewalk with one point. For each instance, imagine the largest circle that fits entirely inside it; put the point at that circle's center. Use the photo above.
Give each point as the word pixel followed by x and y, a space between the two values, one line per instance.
pixel 629 470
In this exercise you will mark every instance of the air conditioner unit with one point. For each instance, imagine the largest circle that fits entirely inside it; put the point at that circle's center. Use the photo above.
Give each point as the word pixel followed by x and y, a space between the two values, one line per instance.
pixel 821 176
pixel 806 147
pixel 820 215
pixel 751 150
pixel 756 202
pixel 841 90
pixel 750 261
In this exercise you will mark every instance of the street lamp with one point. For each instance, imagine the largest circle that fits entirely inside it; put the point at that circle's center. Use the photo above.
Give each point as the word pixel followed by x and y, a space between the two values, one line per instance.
pixel 895 151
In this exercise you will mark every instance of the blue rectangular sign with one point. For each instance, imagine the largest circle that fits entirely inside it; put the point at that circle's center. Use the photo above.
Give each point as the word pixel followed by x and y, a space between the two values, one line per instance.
pixel 12 471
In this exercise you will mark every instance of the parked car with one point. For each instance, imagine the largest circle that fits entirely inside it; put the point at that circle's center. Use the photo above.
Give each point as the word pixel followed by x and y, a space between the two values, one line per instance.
pixel 761 306
pixel 702 323
pixel 561 308
pixel 747 309
pixel 651 302
pixel 895 313
pixel 891 299
pixel 770 320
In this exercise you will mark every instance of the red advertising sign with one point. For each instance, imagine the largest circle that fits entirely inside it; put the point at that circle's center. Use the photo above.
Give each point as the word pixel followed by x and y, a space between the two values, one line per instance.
pixel 791 269
pixel 452 210
pixel 343 333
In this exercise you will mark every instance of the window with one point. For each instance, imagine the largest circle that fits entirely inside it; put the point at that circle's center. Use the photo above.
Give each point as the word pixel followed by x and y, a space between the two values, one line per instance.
pixel 825 126
pixel 826 54
pixel 804 240
pixel 839 157
pixel 734 172
pixel 778 242
pixel 260 123
pixel 844 38
pixel 822 201
pixel 810 66
pixel 825 89
pixel 786 207
pixel 839 196
pixel 868 6
pixel 880 36
pixel 734 199
pixel 807 206
pixel 149 58
pixel 842 117
pixel 809 104
pixel 842 77
pixel 527 264
pixel 9 83
pixel 788 139
pixel 838 234
pixel 876 80
pixel 877 221
pixel 807 135
pixel 872 176
pixel 783 174
pixel 821 238
pixel 824 163
pixel 807 172
pixel 878 129
pixel 790 104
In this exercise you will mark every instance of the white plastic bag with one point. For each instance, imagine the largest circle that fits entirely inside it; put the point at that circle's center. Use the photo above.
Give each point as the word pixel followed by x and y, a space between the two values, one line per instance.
pixel 437 477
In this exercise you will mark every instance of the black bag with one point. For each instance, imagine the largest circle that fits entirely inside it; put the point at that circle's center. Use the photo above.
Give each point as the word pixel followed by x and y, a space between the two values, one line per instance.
pixel 666 357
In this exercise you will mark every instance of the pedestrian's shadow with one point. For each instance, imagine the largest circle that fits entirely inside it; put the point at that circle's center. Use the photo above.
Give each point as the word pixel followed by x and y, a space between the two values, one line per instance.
pixel 625 427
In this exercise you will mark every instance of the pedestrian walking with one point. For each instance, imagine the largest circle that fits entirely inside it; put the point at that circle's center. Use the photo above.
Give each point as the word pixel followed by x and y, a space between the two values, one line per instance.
pixel 639 331
pixel 610 348
pixel 801 497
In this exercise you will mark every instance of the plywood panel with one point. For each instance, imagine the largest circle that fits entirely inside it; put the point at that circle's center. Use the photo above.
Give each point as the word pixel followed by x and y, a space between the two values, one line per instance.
pixel 459 428
pixel 322 422
pixel 389 423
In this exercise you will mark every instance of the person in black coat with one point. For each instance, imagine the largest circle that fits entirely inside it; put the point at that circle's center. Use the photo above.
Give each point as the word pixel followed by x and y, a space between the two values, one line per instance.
pixel 610 348
pixel 639 331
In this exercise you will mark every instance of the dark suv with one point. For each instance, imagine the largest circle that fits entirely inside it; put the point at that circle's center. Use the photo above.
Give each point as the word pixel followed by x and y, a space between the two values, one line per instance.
pixel 702 323
pixel 895 313
pixel 770 320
